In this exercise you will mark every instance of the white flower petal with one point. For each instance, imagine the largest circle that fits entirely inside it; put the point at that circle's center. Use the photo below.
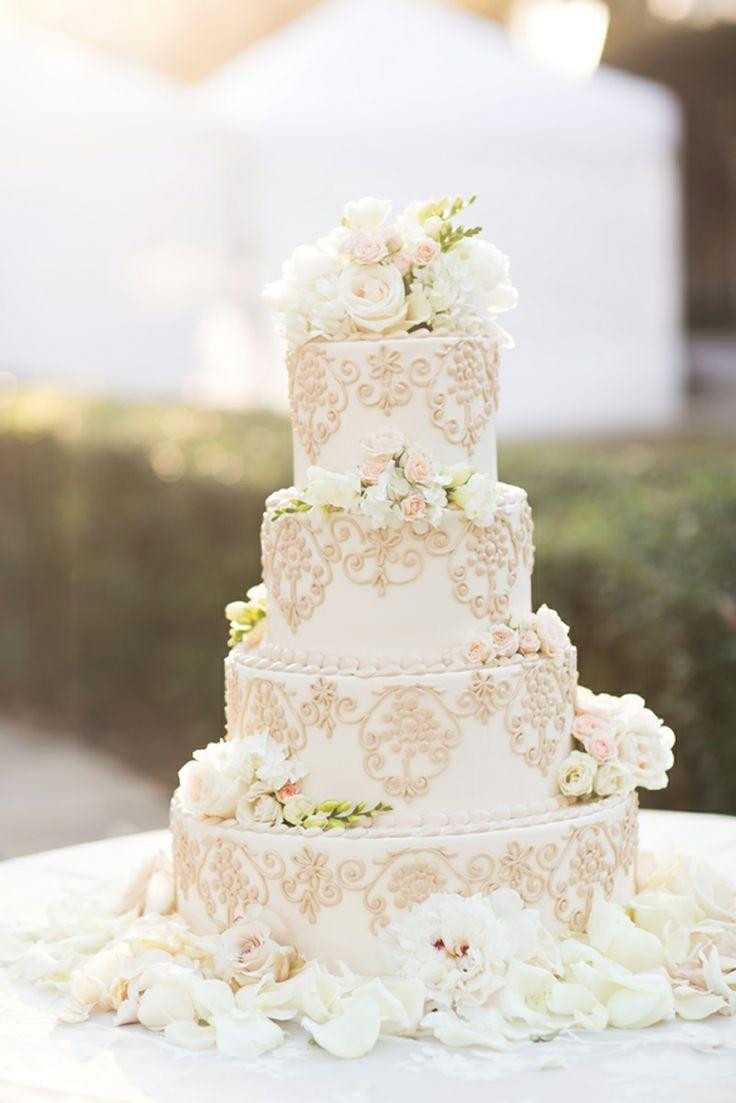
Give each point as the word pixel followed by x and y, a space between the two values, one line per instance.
pixel 245 1034
pixel 351 1034
pixel 190 1035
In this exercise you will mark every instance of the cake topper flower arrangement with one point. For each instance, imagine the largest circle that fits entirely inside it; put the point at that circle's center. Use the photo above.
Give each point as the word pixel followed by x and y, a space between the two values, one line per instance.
pixel 421 272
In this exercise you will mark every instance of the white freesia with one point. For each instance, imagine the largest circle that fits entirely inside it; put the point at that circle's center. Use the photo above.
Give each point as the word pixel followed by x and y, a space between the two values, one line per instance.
pixel 576 774
pixel 367 213
pixel 339 490
pixel 476 498
pixel 373 296
pixel 554 634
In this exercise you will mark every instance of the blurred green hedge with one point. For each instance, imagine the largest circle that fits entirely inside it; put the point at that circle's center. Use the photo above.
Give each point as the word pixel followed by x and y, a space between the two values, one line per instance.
pixel 126 528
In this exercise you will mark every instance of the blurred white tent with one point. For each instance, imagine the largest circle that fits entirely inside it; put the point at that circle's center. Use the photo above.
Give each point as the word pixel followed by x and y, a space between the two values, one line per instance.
pixel 120 225
pixel 140 232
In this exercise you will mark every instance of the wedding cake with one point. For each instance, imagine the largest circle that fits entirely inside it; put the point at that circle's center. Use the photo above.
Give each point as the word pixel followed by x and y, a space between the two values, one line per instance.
pixel 401 721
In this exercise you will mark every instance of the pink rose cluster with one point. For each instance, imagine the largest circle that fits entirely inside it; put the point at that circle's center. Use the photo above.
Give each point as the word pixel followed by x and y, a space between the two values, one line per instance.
pixel 625 746
pixel 543 633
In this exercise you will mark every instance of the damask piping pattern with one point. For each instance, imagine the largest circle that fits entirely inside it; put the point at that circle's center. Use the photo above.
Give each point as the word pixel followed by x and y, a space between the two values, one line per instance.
pixel 300 553
pixel 228 874
pixel 458 377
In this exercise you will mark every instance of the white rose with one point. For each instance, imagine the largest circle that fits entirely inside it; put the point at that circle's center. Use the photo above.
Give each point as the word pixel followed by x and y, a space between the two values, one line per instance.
pixel 476 498
pixel 504 641
pixel 373 296
pixel 613 777
pixel 296 809
pixel 576 775
pixel 330 488
pixel 477 648
pixel 384 443
pixel 644 745
pixel 258 805
pixel 552 631
pixel 205 790
pixel 367 213
pixel 246 952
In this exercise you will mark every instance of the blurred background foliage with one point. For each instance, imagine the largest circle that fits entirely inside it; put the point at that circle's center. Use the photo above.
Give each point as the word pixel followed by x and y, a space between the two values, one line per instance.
pixel 126 528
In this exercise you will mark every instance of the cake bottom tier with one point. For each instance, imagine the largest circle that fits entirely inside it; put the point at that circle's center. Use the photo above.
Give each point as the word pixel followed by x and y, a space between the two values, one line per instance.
pixel 336 893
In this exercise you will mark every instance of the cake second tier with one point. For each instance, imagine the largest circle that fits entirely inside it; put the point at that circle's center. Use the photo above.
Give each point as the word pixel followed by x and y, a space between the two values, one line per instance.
pixel 440 391
pixel 339 587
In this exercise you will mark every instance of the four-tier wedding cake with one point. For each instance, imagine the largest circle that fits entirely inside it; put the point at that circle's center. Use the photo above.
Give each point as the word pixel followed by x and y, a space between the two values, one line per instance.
pixel 400 721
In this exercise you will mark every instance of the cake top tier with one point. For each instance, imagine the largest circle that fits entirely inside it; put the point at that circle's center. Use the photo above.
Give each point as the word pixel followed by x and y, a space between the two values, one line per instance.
pixel 375 275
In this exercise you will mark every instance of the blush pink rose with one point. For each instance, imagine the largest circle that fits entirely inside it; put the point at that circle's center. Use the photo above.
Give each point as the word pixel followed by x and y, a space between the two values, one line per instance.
pixel 370 471
pixel 425 252
pixel 413 507
pixel 402 262
pixel 529 642
pixel 477 649
pixel 367 248
pixel 504 641
pixel 419 468
pixel 600 747
pixel 587 726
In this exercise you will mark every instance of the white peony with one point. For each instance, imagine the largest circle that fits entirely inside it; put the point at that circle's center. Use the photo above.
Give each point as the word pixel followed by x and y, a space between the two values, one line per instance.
pixel 554 634
pixel 460 947
pixel 367 213
pixel 576 775
pixel 644 745
pixel 373 296
pixel 332 489
pixel 476 498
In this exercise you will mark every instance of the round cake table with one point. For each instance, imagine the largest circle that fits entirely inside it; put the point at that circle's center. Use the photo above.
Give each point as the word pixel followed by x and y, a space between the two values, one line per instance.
pixel 95 1062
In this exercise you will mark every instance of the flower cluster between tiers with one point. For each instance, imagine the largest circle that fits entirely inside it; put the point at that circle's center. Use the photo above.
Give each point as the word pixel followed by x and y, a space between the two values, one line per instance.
pixel 248 618
pixel 256 781
pixel 473 971
pixel 625 747
pixel 541 633
pixel 397 483
pixel 373 275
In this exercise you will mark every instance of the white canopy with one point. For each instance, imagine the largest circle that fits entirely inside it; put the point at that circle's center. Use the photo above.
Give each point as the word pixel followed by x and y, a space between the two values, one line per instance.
pixel 198 194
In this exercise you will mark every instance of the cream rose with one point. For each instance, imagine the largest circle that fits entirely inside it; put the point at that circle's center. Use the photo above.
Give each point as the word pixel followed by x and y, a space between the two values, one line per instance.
pixel 331 488
pixel 207 791
pixel 370 471
pixel 246 952
pixel 425 251
pixel 477 648
pixel 552 631
pixel 529 642
pixel 576 775
pixel 476 498
pixel 366 248
pixel 504 641
pixel 384 443
pixel 258 805
pixel 373 296
pixel 613 777
pixel 413 507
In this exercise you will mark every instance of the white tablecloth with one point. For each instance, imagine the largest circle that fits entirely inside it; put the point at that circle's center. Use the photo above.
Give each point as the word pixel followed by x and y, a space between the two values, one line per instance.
pixel 96 1062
